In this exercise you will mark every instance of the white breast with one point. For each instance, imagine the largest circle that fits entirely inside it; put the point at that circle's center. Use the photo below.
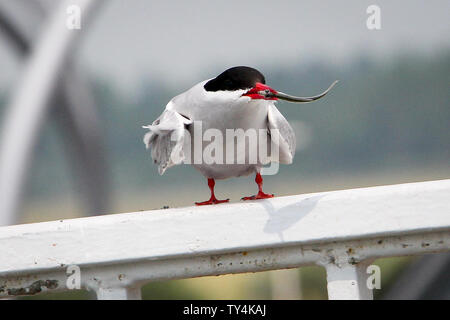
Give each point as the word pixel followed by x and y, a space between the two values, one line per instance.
pixel 222 110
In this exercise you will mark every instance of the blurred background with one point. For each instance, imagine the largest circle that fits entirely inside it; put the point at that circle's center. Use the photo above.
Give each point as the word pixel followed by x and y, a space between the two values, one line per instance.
pixel 386 122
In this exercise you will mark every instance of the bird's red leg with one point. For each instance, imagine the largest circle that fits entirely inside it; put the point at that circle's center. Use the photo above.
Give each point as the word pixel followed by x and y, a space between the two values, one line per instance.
pixel 261 194
pixel 213 199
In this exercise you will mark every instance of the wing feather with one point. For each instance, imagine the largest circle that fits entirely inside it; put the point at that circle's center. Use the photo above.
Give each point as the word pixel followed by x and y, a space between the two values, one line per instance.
pixel 166 138
pixel 281 134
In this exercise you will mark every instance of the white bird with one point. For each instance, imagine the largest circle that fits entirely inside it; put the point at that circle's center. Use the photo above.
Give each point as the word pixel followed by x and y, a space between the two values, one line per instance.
pixel 237 99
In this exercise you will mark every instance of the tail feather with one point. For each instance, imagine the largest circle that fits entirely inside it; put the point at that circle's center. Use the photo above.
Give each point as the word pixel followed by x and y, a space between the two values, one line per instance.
pixel 165 138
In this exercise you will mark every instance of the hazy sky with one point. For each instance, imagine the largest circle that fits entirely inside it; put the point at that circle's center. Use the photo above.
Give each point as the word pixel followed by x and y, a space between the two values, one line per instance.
pixel 186 40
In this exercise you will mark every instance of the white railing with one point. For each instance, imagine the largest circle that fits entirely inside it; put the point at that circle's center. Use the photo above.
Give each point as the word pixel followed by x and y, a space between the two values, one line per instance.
pixel 342 231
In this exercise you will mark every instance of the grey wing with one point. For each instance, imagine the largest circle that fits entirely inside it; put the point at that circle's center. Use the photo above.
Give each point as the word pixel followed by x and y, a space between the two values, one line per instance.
pixel 282 135
pixel 165 138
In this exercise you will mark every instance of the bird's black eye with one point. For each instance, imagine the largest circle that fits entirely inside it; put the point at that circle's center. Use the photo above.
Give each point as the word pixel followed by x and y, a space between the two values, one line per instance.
pixel 228 83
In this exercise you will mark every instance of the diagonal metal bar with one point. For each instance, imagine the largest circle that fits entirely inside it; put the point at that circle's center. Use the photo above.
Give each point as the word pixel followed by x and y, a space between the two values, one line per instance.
pixel 29 106
pixel 12 32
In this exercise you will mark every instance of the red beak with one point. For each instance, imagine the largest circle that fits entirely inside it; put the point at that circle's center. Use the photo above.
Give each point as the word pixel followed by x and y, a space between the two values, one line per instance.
pixel 261 91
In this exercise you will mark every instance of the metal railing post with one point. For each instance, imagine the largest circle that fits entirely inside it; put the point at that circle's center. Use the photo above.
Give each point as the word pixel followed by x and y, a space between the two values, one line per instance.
pixel 119 293
pixel 348 282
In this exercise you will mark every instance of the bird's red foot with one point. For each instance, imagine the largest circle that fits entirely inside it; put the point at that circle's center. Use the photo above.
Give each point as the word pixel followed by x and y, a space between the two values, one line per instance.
pixel 260 195
pixel 211 201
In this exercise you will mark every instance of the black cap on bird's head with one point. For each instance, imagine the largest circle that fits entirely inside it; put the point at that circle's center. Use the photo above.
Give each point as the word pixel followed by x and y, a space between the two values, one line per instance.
pixel 236 78
pixel 250 79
